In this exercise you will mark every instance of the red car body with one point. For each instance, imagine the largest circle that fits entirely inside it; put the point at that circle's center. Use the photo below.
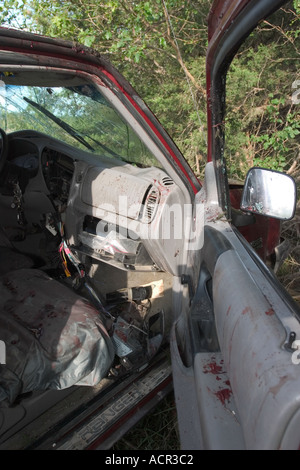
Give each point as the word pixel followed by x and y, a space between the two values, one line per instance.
pixel 214 306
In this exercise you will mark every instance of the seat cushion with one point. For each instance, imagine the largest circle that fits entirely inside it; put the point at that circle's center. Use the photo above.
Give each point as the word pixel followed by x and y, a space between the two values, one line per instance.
pixel 54 338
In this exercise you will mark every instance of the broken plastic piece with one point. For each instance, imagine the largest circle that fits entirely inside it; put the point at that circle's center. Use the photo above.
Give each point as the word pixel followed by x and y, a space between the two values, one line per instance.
pixel 135 346
pixel 135 293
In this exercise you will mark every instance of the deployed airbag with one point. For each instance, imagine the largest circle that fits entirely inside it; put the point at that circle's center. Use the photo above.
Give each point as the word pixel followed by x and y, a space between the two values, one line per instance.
pixel 54 338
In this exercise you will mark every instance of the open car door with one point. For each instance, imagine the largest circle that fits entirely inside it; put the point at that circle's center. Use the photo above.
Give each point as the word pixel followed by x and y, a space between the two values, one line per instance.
pixel 234 345
pixel 108 217
pixel 96 207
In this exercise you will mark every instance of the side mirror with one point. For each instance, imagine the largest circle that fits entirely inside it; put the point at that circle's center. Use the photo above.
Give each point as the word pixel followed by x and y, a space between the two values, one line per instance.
pixel 269 193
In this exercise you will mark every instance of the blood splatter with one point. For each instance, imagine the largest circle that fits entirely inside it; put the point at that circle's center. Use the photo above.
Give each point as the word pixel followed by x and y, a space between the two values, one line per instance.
pixel 224 395
pixel 270 312
pixel 246 310
pixel 212 368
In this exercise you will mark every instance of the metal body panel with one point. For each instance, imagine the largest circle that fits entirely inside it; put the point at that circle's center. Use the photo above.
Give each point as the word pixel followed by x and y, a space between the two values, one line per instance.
pixel 228 26
pixel 234 363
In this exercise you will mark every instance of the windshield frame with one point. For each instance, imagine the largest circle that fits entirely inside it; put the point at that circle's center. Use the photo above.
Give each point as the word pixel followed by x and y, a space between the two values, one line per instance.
pixel 133 133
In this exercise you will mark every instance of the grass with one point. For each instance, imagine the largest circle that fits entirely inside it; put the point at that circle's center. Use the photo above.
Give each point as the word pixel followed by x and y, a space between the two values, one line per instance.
pixel 289 272
pixel 157 431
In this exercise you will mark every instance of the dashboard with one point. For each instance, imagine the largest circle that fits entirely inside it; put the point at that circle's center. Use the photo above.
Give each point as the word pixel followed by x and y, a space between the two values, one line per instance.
pixel 58 172
pixel 112 211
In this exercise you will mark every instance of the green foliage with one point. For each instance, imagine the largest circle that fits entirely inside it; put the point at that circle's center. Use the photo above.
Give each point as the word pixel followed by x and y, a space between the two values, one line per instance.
pixel 262 125
pixel 262 122
pixel 277 143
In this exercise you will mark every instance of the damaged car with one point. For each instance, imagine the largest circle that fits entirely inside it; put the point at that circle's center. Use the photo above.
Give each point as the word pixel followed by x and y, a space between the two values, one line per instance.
pixel 122 276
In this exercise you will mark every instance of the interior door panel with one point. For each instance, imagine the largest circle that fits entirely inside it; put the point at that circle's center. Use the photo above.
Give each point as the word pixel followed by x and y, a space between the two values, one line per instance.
pixel 241 366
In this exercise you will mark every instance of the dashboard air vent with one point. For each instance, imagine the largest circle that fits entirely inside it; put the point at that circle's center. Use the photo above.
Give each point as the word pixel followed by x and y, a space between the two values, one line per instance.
pixel 151 204
pixel 167 181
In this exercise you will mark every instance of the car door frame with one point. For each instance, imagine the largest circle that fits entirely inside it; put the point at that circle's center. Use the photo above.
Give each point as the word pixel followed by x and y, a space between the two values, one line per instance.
pixel 233 295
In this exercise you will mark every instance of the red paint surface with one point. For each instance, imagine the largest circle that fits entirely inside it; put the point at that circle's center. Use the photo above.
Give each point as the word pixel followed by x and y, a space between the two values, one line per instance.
pixel 264 233
pixel 153 128
pixel 221 16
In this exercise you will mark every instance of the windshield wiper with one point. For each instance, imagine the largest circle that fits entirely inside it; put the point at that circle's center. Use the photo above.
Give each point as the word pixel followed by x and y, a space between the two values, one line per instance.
pixel 69 129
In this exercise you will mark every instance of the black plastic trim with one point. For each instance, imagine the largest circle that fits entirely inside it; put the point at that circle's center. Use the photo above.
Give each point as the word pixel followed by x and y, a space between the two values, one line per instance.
pixel 214 245
pixel 203 334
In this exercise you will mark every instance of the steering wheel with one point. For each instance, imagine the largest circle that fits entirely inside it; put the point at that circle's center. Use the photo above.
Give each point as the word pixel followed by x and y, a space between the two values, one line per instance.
pixel 3 148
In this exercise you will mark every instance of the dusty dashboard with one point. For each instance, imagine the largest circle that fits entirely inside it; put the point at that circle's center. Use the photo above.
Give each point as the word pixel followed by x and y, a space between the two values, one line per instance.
pixel 58 171
pixel 27 156
pixel 115 212
pixel 22 165
pixel 125 215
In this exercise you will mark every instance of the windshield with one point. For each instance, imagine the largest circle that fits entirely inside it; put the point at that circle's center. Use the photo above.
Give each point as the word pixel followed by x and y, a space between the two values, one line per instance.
pixel 70 109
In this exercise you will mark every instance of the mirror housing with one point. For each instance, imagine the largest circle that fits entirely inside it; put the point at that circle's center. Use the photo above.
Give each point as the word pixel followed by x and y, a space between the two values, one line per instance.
pixel 270 193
